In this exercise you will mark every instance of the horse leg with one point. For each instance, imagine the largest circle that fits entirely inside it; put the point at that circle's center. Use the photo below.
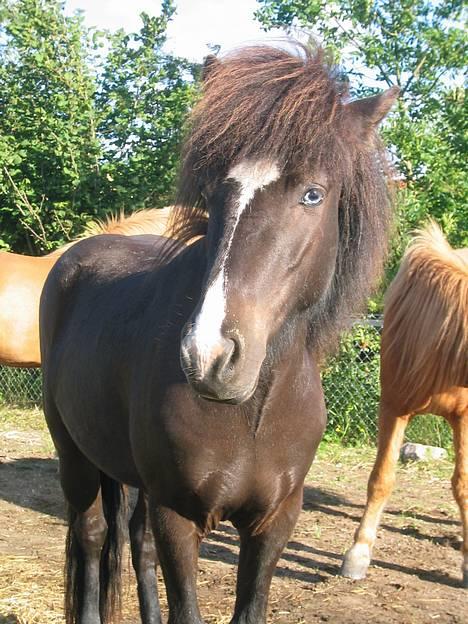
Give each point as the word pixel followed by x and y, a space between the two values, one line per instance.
pixel 144 559
pixel 381 481
pixel 259 554
pixel 460 482
pixel 87 529
pixel 177 541
pixel 93 546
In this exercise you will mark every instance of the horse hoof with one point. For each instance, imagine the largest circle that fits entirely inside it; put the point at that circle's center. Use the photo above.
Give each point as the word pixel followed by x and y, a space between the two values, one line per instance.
pixel 355 562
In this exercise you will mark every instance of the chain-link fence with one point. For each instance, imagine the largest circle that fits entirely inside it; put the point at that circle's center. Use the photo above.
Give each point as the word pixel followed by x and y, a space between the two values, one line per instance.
pixel 350 380
pixel 20 386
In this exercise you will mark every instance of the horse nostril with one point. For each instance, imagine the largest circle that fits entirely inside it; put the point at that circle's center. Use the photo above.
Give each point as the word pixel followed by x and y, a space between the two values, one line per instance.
pixel 225 358
pixel 212 364
pixel 228 358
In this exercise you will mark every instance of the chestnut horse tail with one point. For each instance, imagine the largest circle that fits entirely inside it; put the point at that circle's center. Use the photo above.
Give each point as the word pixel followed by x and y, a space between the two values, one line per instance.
pixel 114 505
pixel 426 321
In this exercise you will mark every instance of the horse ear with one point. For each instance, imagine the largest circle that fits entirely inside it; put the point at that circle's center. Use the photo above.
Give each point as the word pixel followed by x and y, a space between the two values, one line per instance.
pixel 371 110
pixel 209 64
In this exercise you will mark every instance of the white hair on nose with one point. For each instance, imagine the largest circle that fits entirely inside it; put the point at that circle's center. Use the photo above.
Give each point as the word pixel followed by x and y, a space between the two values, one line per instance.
pixel 252 176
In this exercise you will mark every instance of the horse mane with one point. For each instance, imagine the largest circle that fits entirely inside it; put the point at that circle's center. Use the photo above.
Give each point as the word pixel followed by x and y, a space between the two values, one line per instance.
pixel 288 106
pixel 147 221
pixel 154 221
pixel 426 320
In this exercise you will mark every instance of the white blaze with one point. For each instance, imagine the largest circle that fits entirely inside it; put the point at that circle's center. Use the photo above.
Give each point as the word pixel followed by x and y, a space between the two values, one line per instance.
pixel 251 176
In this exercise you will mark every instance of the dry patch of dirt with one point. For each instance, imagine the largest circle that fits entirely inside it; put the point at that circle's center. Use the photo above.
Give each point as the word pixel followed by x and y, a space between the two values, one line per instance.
pixel 415 576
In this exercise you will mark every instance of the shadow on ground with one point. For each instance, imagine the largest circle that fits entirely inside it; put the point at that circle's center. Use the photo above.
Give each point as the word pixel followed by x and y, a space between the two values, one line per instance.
pixel 34 484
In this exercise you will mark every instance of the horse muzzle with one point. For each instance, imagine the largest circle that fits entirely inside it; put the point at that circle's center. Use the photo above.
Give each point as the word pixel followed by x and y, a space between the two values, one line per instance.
pixel 218 370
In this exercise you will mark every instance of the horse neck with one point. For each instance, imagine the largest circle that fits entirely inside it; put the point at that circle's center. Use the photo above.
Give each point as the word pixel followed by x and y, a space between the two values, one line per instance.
pixel 287 347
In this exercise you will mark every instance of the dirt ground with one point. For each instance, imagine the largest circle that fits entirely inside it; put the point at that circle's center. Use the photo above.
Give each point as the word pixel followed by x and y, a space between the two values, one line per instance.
pixel 414 579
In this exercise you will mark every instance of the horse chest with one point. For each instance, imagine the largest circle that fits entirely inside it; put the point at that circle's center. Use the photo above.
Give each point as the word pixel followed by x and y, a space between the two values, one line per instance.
pixel 212 463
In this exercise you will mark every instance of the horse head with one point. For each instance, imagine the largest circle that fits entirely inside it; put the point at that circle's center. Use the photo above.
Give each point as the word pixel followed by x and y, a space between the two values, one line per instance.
pixel 278 160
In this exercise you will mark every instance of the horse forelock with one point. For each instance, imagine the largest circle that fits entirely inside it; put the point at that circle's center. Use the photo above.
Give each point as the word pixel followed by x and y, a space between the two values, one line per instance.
pixel 265 104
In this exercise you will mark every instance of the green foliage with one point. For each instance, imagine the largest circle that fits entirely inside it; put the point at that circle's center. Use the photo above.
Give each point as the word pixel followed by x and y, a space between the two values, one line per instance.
pixel 143 100
pixel 83 132
pixel 421 46
pixel 48 148
pixel 20 386
pixel 432 430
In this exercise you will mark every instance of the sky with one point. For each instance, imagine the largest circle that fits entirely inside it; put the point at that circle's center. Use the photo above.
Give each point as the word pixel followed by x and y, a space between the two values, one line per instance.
pixel 229 23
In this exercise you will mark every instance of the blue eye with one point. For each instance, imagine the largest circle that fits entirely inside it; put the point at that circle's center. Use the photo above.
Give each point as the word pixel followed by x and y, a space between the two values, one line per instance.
pixel 313 197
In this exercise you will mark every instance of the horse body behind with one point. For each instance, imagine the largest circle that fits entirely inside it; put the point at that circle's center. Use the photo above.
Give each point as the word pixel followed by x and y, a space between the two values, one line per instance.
pixel 191 372
pixel 22 279
pixel 21 282
pixel 424 369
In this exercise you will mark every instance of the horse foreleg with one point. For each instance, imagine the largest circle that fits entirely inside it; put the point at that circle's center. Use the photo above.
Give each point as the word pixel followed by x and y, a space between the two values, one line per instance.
pixel 177 541
pixel 381 482
pixel 460 482
pixel 259 554
pixel 144 559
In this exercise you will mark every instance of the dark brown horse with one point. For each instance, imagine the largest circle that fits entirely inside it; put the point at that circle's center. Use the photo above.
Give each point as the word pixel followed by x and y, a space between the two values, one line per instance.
pixel 191 372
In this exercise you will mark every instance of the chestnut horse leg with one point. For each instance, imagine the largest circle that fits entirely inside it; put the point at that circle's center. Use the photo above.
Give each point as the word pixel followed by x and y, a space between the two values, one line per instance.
pixel 177 541
pixel 382 479
pixel 460 482
pixel 259 554
pixel 144 559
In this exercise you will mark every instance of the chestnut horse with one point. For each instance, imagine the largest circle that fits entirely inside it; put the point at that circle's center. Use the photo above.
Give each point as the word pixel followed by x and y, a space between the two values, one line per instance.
pixel 192 374
pixel 22 279
pixel 424 368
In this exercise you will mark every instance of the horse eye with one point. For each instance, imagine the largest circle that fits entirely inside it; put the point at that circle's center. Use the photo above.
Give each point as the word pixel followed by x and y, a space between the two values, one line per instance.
pixel 313 197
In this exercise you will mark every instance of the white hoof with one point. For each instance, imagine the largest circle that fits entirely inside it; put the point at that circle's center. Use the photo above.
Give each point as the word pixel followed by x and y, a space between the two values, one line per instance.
pixel 356 561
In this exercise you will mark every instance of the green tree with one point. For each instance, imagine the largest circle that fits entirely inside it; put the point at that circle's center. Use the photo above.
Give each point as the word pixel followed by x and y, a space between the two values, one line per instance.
pixel 90 121
pixel 143 99
pixel 48 145
pixel 421 46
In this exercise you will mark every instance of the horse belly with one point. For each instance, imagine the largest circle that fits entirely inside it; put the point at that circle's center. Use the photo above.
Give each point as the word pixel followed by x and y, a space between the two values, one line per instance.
pixel 19 324
pixel 100 431
pixel 91 403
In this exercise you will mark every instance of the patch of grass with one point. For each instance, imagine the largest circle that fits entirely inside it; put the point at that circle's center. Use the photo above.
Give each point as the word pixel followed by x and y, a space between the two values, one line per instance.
pixel 441 469
pixel 336 453
pixel 22 418
pixel 430 429
pixel 15 425
pixel 353 458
